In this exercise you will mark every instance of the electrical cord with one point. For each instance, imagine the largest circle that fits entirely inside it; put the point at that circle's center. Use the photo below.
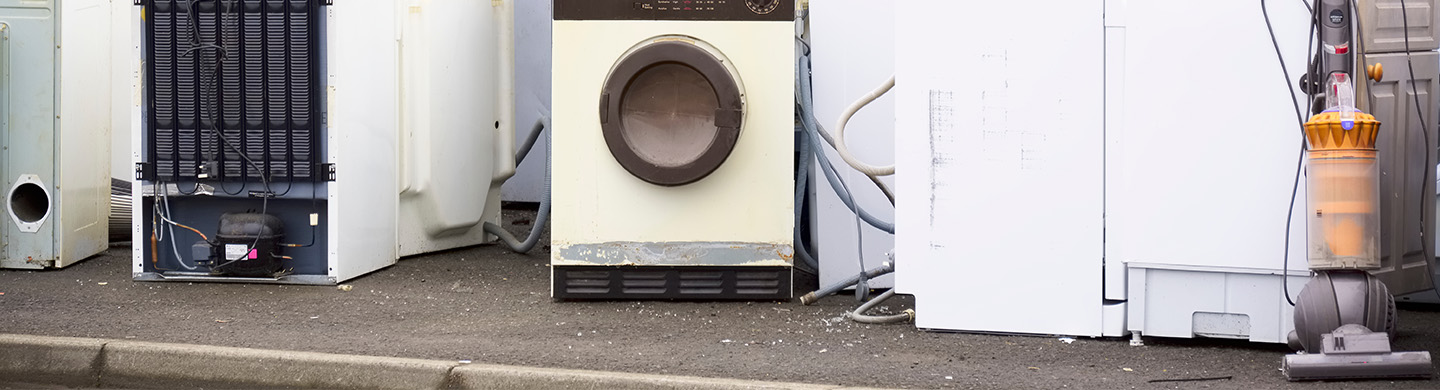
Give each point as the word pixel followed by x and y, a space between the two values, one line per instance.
pixel 1424 127
pixel 315 211
pixel 1276 44
pixel 207 85
pixel 313 233
pixel 226 189
pixel 1299 161
pixel 1289 220
pixel 193 191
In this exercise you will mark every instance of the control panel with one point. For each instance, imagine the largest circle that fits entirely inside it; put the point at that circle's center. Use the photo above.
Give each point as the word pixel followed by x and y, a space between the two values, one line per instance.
pixel 763 10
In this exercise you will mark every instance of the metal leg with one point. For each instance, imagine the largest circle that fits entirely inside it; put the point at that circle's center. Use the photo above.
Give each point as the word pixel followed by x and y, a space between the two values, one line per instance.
pixel 1135 340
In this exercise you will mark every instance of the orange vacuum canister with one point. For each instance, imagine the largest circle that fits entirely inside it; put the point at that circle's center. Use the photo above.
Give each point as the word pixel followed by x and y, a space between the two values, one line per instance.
pixel 1343 191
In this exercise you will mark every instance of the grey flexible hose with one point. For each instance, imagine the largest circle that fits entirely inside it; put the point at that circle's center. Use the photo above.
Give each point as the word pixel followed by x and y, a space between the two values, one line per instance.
pixel 884 268
pixel 844 195
pixel 807 120
pixel 540 126
pixel 807 153
pixel 541 217
pixel 802 173
pixel 890 195
pixel 801 178
pixel 805 95
pixel 859 314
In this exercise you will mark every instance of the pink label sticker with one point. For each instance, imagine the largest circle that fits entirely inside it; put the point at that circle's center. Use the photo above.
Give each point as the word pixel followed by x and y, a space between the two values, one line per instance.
pixel 254 254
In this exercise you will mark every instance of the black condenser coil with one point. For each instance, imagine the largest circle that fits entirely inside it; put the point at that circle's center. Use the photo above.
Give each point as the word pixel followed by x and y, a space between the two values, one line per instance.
pixel 248 244
pixel 247 70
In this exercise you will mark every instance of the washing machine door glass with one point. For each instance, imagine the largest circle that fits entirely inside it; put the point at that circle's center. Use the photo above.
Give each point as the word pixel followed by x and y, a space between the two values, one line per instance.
pixel 671 112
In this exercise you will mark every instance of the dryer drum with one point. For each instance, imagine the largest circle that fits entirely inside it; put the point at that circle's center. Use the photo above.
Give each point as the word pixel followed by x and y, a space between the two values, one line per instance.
pixel 247 69
pixel 671 113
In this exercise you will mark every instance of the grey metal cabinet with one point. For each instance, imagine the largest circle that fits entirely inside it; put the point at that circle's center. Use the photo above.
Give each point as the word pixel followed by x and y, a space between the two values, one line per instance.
pixel 55 130
pixel 1407 164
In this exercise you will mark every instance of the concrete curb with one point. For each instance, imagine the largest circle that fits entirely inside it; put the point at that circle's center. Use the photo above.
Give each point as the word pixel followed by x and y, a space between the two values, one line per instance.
pixel 54 360
pixel 80 362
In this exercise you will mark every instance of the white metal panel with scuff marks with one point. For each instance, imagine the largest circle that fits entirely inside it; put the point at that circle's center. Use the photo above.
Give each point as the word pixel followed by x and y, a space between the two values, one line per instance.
pixel 999 147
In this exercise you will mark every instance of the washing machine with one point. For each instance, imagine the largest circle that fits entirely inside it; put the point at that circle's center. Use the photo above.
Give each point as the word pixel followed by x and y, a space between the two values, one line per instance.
pixel 673 149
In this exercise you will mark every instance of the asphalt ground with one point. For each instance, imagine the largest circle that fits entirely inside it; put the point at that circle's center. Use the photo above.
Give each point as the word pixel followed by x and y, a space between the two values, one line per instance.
pixel 488 305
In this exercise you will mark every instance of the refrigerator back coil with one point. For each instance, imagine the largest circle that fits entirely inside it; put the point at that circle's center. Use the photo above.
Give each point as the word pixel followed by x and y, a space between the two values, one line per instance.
pixel 247 70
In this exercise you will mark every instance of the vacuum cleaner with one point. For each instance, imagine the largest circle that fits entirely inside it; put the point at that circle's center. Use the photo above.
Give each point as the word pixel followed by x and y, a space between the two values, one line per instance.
pixel 1344 317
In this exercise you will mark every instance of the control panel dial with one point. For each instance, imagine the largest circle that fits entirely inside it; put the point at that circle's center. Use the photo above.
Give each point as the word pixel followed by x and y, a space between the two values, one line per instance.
pixel 762 6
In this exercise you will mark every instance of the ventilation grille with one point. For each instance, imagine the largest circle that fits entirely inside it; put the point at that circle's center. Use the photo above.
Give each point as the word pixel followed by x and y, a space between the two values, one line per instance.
pixel 698 282
pixel 245 69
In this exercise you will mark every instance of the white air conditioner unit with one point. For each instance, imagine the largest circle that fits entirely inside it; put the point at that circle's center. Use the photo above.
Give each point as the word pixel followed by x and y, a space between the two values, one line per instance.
pixel 54 98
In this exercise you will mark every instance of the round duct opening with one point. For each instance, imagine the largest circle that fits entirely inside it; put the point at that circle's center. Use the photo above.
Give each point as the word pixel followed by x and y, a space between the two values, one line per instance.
pixel 29 202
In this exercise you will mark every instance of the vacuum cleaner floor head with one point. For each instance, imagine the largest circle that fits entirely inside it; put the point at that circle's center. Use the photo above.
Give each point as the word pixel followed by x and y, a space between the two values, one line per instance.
pixel 1322 366
pixel 1348 354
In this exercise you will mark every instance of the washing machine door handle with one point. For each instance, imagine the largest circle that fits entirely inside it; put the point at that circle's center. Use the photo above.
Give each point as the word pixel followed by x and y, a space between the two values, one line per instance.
pixel 729 117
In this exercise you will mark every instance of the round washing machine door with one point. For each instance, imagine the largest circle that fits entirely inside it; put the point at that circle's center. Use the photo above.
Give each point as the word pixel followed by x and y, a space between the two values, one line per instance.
pixel 672 110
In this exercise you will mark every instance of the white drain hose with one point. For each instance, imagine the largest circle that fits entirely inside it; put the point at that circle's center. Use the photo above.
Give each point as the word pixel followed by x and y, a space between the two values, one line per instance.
pixel 861 166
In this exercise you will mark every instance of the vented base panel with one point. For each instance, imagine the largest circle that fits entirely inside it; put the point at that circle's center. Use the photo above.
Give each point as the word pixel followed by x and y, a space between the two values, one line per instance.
pixel 681 282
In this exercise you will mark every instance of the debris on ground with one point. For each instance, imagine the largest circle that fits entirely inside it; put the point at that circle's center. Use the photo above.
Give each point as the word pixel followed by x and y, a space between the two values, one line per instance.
pixel 1215 378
